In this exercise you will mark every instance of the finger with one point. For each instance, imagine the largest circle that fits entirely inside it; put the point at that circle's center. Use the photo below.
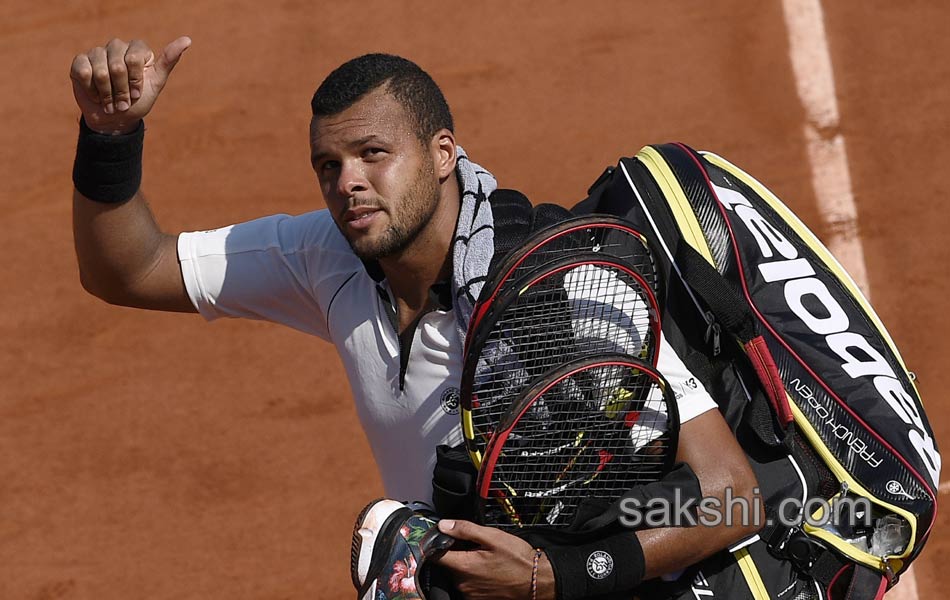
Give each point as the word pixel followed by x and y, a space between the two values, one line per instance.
pixel 119 74
pixel 81 74
pixel 170 56
pixel 100 78
pixel 136 58
pixel 457 561
pixel 470 532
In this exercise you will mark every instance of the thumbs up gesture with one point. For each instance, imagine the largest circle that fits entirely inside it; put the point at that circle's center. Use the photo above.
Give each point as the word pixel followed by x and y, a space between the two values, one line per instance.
pixel 116 85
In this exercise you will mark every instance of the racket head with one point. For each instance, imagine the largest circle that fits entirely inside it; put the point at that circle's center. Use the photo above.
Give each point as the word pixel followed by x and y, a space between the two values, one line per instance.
pixel 604 234
pixel 579 305
pixel 592 429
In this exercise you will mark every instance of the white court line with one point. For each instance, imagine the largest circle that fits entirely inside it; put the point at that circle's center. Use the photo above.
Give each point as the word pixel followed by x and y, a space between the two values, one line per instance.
pixel 831 178
pixel 828 157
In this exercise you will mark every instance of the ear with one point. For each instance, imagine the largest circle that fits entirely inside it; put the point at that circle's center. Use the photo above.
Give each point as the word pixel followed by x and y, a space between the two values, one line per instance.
pixel 443 152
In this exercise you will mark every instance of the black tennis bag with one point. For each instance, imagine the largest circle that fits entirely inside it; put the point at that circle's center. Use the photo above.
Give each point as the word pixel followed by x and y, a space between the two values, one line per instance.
pixel 804 372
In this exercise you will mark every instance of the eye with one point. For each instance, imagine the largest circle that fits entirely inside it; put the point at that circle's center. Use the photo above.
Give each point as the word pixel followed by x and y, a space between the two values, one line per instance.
pixel 328 165
pixel 374 153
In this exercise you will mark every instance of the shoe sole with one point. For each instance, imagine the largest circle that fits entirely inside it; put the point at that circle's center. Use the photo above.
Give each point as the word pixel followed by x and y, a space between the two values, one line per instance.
pixel 373 533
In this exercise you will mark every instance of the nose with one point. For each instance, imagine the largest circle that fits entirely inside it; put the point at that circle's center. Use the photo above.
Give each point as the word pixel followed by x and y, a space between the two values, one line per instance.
pixel 352 179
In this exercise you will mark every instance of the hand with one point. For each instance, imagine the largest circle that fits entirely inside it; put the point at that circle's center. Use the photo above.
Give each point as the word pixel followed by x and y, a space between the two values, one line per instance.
pixel 499 568
pixel 116 85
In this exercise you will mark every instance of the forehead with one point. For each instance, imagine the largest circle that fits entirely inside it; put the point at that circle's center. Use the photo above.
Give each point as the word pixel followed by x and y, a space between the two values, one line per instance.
pixel 376 115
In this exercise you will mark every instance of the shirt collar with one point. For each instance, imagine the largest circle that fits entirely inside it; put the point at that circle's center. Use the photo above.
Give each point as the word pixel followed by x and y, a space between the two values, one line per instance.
pixel 440 293
pixel 375 271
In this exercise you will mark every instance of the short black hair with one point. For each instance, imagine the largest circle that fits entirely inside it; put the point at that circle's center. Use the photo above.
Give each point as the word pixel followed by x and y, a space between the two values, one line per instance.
pixel 412 87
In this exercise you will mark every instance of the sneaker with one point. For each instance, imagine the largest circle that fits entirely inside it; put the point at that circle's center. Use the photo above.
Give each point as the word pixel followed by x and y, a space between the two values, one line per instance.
pixel 391 543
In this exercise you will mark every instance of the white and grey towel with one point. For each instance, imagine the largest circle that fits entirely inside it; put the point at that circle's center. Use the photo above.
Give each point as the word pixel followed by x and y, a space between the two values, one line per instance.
pixel 474 241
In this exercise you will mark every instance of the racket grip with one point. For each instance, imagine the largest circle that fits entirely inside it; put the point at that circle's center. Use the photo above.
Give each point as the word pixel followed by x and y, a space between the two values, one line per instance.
pixel 434 544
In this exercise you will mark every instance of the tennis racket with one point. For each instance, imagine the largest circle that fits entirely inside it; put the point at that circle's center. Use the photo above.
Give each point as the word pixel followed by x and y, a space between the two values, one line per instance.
pixel 602 234
pixel 580 305
pixel 593 428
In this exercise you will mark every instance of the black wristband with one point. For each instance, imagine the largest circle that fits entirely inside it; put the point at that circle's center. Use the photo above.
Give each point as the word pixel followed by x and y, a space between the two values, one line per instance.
pixel 108 168
pixel 608 566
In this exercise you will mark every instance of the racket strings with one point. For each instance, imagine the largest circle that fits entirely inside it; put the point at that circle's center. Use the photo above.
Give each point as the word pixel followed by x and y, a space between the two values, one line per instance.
pixel 608 240
pixel 583 311
pixel 580 440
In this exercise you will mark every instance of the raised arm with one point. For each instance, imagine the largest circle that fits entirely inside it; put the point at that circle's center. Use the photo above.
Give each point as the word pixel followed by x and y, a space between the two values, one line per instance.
pixel 124 258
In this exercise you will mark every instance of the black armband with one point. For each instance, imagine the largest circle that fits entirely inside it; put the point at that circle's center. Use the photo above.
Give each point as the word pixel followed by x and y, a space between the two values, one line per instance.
pixel 108 168
pixel 608 566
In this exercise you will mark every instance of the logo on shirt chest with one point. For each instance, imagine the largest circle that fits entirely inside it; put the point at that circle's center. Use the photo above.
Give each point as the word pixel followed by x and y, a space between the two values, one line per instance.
pixel 450 400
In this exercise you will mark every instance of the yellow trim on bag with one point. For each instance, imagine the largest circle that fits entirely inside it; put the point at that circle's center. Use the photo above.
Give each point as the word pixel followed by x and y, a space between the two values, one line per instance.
pixel 842 474
pixel 676 197
pixel 751 574
pixel 813 242
pixel 804 425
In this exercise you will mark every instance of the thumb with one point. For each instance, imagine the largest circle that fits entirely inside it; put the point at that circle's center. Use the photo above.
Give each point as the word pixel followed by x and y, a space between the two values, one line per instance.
pixel 467 531
pixel 170 56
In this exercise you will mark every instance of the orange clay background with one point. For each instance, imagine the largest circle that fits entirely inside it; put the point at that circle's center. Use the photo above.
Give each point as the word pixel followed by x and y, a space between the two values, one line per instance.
pixel 147 455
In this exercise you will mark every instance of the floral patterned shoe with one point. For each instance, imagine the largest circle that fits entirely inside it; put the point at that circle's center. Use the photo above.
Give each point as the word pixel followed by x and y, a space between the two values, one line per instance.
pixel 391 542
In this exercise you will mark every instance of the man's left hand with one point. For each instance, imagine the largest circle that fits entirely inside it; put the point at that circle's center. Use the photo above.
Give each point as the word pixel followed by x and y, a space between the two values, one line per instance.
pixel 498 568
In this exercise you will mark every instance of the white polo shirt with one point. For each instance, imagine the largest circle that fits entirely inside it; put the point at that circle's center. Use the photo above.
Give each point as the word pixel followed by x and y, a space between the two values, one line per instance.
pixel 301 272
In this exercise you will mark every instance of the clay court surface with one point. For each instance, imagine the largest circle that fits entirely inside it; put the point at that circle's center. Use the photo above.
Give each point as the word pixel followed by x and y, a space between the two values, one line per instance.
pixel 147 455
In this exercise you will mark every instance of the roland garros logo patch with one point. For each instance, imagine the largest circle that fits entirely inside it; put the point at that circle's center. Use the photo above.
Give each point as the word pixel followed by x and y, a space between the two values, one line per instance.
pixel 599 564
pixel 450 400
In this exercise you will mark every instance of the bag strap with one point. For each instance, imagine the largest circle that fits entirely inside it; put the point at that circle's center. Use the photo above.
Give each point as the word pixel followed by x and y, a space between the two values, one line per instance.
pixel 511 216
pixel 846 580
pixel 515 218
pixel 728 306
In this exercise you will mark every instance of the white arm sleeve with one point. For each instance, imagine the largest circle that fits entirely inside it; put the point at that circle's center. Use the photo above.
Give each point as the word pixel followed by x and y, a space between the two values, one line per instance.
pixel 279 268
pixel 623 318
pixel 692 399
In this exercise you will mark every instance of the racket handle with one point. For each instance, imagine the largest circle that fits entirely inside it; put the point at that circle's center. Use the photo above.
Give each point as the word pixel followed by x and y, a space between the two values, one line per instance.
pixel 434 544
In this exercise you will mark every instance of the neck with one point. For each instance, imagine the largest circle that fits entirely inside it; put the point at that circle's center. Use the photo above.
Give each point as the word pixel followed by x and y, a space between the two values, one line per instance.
pixel 428 259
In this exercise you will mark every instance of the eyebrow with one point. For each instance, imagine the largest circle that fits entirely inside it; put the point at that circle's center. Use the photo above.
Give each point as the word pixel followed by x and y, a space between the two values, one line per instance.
pixel 369 138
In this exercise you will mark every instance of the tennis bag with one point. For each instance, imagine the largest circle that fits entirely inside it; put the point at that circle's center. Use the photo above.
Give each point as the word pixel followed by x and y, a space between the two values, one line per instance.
pixel 804 372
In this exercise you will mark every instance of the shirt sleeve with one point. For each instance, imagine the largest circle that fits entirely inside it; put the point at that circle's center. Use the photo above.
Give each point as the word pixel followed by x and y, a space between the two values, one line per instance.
pixel 623 318
pixel 280 268
pixel 692 399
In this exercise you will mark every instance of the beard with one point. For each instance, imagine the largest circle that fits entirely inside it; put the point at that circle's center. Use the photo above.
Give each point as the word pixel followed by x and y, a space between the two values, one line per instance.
pixel 415 209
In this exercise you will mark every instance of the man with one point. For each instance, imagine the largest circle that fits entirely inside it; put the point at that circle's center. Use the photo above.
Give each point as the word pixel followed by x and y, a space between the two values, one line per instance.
pixel 377 273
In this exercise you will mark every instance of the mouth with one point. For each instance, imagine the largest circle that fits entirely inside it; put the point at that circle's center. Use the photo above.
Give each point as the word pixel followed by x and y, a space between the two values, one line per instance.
pixel 361 217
